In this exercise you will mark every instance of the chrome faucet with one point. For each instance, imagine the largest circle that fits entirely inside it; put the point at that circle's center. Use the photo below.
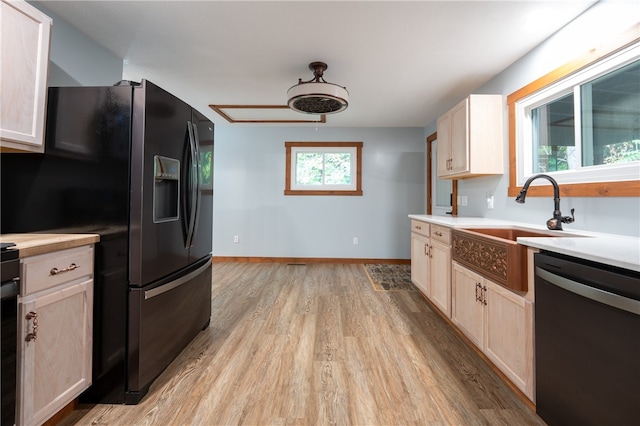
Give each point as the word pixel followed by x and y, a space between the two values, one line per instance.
pixel 555 223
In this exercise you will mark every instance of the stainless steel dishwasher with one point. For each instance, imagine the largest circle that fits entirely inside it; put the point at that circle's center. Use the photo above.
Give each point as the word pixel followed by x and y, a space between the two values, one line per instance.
pixel 587 331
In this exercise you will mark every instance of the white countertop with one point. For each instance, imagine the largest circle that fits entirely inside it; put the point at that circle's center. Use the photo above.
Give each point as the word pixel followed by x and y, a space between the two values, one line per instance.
pixel 610 249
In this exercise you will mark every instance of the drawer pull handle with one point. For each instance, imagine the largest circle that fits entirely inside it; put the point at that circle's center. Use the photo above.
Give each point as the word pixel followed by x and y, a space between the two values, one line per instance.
pixel 56 271
pixel 439 234
pixel 418 227
pixel 33 336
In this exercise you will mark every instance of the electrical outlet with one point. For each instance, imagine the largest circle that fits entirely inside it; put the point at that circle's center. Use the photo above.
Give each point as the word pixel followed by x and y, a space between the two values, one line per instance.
pixel 236 239
pixel 463 200
pixel 355 241
pixel 490 202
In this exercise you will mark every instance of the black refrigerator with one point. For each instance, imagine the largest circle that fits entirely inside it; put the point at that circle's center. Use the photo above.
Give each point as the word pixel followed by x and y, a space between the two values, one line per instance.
pixel 132 163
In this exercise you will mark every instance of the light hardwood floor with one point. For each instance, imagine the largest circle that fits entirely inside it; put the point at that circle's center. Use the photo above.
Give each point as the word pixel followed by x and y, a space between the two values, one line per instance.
pixel 315 344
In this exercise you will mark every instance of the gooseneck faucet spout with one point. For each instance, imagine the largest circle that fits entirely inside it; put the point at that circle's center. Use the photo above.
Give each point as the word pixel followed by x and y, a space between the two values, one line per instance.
pixel 555 223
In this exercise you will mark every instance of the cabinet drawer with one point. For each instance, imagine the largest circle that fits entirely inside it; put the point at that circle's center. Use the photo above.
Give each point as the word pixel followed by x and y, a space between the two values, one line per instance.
pixel 441 234
pixel 48 270
pixel 421 228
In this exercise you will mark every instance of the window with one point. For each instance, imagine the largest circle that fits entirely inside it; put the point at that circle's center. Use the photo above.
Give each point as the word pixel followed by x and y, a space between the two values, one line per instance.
pixel 323 168
pixel 580 125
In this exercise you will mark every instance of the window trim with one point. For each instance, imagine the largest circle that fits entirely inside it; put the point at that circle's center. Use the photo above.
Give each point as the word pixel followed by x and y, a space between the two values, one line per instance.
pixel 324 145
pixel 627 188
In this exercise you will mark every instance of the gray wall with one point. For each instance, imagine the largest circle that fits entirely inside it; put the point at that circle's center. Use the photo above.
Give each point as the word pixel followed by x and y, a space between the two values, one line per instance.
pixel 249 164
pixel 617 215
pixel 76 60
pixel 249 176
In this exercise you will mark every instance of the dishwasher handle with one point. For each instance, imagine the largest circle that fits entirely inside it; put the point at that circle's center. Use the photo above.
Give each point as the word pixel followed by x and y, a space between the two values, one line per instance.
pixel 601 296
pixel 10 289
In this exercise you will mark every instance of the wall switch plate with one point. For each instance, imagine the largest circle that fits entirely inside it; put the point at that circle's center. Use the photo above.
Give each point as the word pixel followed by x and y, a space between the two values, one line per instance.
pixel 490 202
pixel 236 239
pixel 463 200
pixel 355 241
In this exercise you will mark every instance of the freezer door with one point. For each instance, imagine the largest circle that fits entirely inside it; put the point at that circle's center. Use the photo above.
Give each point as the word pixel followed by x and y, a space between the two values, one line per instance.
pixel 163 318
pixel 201 241
pixel 160 136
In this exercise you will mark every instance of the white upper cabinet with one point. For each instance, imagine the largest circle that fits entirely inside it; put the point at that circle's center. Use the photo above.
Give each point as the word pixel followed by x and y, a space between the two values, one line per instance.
pixel 470 138
pixel 25 34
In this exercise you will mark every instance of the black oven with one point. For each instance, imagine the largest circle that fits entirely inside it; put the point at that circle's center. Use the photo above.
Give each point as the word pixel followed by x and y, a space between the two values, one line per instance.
pixel 10 270
pixel 587 330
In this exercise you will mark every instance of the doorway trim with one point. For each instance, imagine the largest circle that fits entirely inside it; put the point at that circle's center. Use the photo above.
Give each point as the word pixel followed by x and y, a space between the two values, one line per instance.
pixel 454 182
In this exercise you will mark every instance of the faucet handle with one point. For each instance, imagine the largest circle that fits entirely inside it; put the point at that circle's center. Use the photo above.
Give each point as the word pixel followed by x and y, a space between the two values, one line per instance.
pixel 569 219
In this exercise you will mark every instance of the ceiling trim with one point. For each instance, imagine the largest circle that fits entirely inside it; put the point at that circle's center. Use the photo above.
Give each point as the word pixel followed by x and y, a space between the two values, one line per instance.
pixel 219 109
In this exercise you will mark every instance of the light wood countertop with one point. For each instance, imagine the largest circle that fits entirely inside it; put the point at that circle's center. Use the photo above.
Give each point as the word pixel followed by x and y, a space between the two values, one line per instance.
pixel 31 244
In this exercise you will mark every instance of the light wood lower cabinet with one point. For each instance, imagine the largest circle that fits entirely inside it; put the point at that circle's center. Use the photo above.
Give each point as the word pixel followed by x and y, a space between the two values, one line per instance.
pixel 55 332
pixel 431 263
pixel 440 269
pixel 496 320
pixel 509 335
pixel 467 310
pixel 420 262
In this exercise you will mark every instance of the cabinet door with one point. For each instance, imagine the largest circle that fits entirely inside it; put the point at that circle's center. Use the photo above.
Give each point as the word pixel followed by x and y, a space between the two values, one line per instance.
pixel 440 276
pixel 55 367
pixel 420 262
pixel 509 335
pixel 25 33
pixel 460 137
pixel 444 144
pixel 466 311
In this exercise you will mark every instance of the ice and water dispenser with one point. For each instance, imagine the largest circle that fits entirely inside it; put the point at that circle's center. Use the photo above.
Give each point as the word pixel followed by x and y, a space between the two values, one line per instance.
pixel 166 189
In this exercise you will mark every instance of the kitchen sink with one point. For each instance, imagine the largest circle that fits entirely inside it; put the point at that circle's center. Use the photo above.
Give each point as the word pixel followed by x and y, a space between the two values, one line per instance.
pixel 495 253
pixel 512 234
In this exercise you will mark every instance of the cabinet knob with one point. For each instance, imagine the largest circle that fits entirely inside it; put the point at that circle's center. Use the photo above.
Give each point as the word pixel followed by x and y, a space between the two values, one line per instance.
pixel 33 336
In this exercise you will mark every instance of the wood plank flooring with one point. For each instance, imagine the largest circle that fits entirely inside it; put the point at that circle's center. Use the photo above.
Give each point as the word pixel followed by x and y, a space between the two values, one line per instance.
pixel 315 344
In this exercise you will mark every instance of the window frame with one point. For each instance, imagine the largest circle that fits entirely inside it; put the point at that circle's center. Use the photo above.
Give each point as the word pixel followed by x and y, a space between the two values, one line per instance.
pixel 291 189
pixel 590 184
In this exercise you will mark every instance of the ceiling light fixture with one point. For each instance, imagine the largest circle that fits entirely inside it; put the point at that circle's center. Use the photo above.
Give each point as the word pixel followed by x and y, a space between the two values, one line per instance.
pixel 316 96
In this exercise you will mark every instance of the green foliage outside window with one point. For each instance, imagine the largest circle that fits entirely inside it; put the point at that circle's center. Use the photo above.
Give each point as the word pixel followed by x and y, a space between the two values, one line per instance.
pixel 553 158
pixel 309 168
pixel 337 168
pixel 622 152
pixel 317 168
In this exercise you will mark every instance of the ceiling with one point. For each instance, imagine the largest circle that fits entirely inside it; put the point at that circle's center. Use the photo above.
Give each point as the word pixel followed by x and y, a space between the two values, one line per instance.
pixel 403 63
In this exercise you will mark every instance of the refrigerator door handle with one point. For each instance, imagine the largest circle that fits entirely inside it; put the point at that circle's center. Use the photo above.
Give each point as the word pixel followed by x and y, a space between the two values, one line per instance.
pixel 148 294
pixel 197 173
pixel 192 187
